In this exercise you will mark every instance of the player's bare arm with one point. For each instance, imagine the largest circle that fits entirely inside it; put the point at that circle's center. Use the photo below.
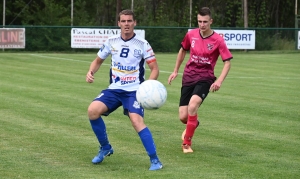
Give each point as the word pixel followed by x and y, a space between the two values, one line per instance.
pixel 179 60
pixel 154 69
pixel 217 84
pixel 95 65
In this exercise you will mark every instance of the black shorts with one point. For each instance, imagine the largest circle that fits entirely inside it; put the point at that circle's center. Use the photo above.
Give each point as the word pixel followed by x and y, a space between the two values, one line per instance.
pixel 201 89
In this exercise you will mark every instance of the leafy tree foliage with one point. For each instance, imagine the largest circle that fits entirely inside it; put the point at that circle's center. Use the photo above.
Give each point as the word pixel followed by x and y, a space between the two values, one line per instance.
pixel 227 13
pixel 42 17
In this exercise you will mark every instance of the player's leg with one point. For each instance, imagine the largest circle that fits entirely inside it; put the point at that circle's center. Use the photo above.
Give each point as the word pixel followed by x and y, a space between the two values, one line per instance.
pixel 183 114
pixel 147 140
pixel 186 94
pixel 136 115
pixel 192 122
pixel 199 94
pixel 99 107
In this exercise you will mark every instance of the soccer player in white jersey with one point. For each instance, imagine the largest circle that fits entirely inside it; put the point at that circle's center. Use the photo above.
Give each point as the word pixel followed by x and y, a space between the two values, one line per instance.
pixel 129 54
pixel 198 78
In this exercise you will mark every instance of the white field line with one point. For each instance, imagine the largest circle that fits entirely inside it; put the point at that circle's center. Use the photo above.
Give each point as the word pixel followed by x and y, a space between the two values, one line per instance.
pixel 242 77
pixel 69 59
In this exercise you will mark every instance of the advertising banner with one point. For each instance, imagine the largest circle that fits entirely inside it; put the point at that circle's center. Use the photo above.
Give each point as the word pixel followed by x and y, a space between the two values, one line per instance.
pixel 238 39
pixel 12 38
pixel 94 38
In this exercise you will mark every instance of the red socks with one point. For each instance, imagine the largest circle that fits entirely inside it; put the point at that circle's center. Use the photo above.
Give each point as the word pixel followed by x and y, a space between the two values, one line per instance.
pixel 191 126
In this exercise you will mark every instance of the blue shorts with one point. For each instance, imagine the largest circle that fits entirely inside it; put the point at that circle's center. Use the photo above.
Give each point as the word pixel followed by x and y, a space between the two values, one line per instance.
pixel 114 98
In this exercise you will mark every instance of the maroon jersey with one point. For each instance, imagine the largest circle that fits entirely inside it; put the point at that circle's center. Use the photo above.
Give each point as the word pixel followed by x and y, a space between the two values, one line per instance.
pixel 204 53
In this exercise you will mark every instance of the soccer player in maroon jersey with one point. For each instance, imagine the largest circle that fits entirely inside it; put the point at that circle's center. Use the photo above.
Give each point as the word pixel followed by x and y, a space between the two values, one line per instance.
pixel 198 78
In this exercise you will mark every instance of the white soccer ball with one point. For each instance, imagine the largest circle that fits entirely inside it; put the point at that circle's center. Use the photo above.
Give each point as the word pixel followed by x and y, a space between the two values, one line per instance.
pixel 151 94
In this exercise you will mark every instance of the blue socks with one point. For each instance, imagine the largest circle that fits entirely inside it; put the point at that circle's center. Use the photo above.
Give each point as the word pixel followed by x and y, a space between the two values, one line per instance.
pixel 99 129
pixel 148 142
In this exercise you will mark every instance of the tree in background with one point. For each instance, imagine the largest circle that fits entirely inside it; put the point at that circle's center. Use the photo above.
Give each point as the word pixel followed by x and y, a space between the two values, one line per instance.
pixel 40 16
pixel 228 13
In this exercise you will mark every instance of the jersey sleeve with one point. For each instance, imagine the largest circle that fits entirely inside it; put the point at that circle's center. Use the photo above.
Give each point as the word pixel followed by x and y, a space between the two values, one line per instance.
pixel 104 51
pixel 224 51
pixel 148 53
pixel 186 44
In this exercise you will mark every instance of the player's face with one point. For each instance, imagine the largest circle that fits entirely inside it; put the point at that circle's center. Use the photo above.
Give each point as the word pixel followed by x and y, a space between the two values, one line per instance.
pixel 126 24
pixel 204 22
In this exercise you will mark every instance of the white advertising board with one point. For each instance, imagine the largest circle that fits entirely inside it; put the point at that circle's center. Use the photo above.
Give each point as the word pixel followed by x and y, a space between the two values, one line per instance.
pixel 238 39
pixel 94 38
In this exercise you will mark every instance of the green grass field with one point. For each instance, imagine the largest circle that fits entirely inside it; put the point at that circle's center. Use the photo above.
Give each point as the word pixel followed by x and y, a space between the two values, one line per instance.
pixel 249 129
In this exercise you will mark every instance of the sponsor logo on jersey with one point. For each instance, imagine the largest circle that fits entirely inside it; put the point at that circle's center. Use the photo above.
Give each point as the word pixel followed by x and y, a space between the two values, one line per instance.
pixel 113 50
pixel 127 80
pixel 124 80
pixel 198 59
pixel 137 53
pixel 116 78
pixel 123 68
pixel 210 46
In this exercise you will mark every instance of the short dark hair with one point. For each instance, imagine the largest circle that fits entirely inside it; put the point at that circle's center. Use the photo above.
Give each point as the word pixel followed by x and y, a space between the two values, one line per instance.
pixel 205 11
pixel 126 12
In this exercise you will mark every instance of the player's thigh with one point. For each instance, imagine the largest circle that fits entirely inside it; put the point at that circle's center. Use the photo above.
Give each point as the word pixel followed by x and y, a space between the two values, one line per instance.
pixel 104 104
pixel 185 95
pixel 200 92
pixel 194 104
pixel 96 109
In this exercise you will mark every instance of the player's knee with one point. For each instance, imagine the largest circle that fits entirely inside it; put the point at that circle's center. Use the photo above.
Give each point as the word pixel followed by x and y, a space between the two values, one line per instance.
pixel 193 108
pixel 93 113
pixel 137 122
pixel 183 114
pixel 194 103
pixel 96 109
pixel 184 121
pixel 183 118
pixel 138 126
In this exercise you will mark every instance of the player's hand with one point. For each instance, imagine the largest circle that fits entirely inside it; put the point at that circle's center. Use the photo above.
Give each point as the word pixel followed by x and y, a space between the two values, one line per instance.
pixel 215 86
pixel 90 77
pixel 172 77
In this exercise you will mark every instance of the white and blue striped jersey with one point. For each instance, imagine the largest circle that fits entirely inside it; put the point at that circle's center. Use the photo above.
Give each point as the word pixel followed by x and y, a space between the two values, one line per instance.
pixel 128 58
